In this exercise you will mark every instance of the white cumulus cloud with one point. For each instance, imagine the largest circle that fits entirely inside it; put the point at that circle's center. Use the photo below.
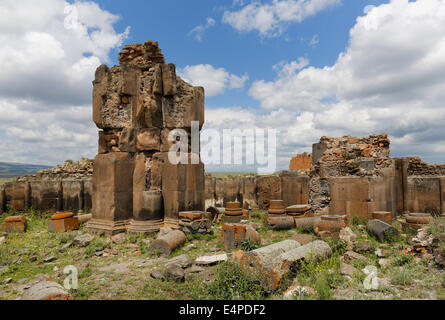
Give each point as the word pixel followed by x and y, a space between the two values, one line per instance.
pixel 389 78
pixel 50 50
pixel 271 17
pixel 214 80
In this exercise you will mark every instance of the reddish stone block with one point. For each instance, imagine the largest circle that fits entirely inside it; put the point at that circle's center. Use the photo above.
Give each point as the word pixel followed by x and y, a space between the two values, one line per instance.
pixel 384 216
pixel 232 235
pixel 16 224
pixel 63 222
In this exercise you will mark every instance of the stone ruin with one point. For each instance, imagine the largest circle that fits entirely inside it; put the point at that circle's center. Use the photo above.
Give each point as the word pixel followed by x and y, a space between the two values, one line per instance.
pixel 357 177
pixel 66 187
pixel 301 162
pixel 136 105
pixel 133 186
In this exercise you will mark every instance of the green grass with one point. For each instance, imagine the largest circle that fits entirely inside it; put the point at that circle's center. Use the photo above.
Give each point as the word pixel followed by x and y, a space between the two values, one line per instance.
pixel 407 280
pixel 232 283
pixel 5 180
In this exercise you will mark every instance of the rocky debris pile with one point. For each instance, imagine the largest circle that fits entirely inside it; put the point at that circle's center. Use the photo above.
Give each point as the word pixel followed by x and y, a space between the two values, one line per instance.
pixel 330 226
pixel 195 221
pixel 76 170
pixel 277 218
pixel 417 167
pixel 426 244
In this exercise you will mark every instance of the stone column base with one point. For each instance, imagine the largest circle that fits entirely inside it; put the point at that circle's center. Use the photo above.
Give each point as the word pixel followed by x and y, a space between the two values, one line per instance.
pixel 148 226
pixel 109 227
pixel 172 223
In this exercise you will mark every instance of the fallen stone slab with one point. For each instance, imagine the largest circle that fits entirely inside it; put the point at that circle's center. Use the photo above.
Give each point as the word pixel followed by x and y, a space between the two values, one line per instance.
pixel 290 261
pixel 365 246
pixel 158 275
pixel 175 273
pixel 168 242
pixel 260 257
pixel 119 238
pixel 211 260
pixel 351 255
pixel 347 269
pixel 46 290
pixel 381 230
pixel 183 261
pixel 302 238
pixel 382 253
pixel 83 240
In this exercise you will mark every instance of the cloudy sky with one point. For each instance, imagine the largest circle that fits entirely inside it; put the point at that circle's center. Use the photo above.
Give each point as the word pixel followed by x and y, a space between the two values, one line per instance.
pixel 307 68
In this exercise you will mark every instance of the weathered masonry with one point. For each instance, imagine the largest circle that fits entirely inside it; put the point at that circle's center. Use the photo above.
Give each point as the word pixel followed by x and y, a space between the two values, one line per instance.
pixel 349 175
pixel 136 105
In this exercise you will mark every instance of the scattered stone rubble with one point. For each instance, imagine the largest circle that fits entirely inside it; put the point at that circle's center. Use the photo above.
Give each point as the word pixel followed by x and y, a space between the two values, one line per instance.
pixel 428 245
pixel 195 221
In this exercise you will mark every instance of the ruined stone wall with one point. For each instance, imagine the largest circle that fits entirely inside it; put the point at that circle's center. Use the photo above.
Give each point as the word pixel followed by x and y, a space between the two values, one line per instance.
pixel 349 157
pixel 64 187
pixel 47 195
pixel 290 186
pixel 301 162
pixel 417 167
pixel 136 105
pixel 420 186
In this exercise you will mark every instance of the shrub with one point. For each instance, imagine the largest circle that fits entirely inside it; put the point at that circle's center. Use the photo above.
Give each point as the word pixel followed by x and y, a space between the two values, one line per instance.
pixel 248 245
pixel 232 283
pixel 401 259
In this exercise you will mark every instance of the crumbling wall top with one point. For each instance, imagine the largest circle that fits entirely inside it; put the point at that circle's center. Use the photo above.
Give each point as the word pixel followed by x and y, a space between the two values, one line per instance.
pixel 349 155
pixel 142 55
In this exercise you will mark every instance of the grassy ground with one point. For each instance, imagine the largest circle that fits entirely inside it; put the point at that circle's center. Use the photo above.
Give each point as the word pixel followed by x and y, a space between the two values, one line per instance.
pixel 4 180
pixel 123 271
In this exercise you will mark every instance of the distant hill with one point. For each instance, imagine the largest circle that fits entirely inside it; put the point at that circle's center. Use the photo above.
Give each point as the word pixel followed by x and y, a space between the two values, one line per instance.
pixel 11 170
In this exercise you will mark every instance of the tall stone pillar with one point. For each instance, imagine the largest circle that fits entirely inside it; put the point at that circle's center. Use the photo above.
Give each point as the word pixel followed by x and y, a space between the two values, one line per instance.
pixel 136 105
